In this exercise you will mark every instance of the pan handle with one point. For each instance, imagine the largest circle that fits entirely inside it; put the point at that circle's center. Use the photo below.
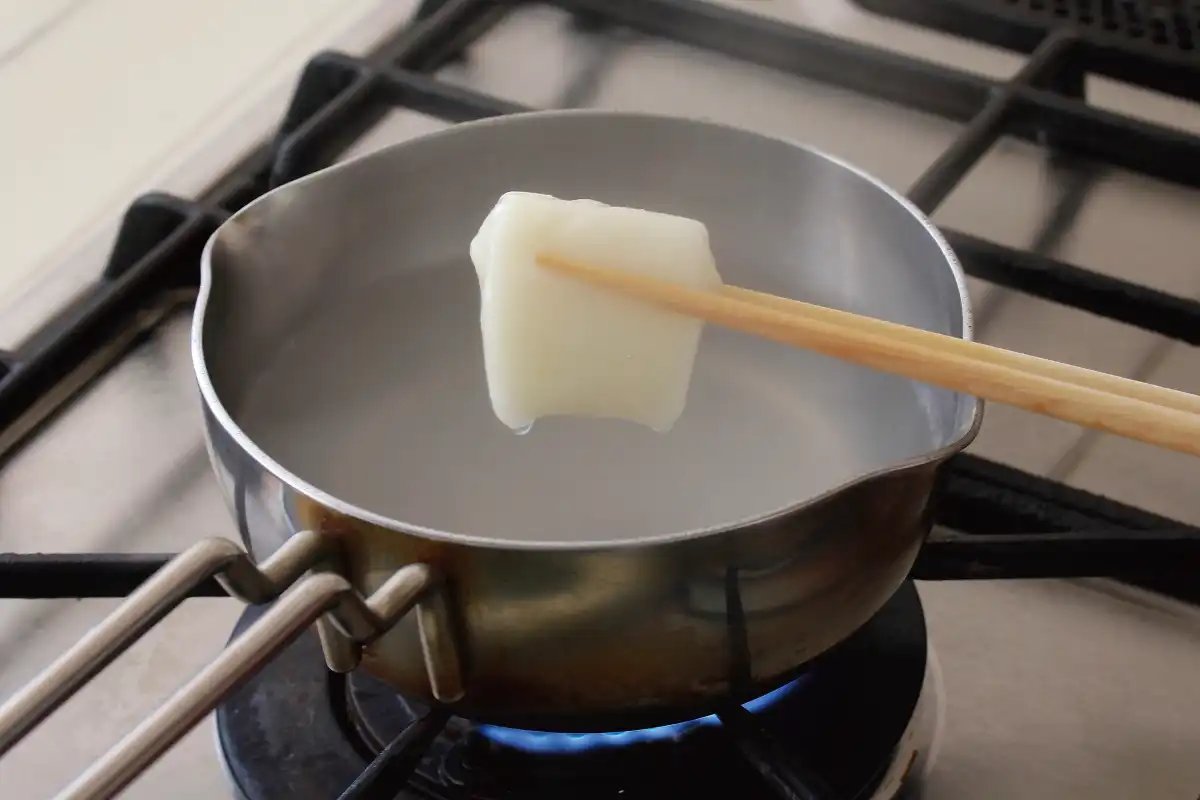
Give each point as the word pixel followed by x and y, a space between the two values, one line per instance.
pixel 152 601
pixel 439 643
pixel 347 621
pixel 343 649
pixel 297 609
pixel 342 646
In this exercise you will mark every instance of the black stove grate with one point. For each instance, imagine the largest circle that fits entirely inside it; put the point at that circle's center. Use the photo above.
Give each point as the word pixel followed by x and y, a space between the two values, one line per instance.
pixel 1162 26
pixel 1155 43
pixel 154 265
pixel 1006 523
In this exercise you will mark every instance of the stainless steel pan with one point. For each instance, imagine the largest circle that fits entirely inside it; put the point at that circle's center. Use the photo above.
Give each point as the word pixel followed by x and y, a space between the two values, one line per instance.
pixel 589 569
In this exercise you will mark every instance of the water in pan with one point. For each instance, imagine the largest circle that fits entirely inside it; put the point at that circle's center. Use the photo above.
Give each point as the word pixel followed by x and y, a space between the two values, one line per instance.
pixel 381 400
pixel 542 742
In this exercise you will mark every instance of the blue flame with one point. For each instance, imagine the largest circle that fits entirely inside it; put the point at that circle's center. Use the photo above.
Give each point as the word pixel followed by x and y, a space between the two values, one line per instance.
pixel 559 743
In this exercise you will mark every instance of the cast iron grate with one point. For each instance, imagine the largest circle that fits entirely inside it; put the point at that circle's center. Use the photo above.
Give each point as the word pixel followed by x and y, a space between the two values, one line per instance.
pixel 1155 43
pixel 992 508
pixel 1171 24
pixel 339 97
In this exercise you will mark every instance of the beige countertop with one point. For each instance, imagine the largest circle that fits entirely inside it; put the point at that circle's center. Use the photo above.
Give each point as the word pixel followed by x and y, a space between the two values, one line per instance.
pixel 104 99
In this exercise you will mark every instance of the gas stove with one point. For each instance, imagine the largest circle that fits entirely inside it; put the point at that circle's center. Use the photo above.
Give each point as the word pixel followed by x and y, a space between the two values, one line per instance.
pixel 1039 699
pixel 860 722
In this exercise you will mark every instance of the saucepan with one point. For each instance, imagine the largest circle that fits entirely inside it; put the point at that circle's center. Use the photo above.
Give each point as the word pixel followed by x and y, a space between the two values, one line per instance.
pixel 589 571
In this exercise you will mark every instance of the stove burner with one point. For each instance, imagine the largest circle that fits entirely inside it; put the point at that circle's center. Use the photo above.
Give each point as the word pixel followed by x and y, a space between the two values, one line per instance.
pixel 560 743
pixel 300 732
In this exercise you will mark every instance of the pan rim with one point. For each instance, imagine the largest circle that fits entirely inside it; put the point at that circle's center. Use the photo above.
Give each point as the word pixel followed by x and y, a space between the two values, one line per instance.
pixel 968 425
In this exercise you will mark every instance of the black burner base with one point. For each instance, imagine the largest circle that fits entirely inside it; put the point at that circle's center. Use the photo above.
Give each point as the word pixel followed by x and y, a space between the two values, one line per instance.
pixel 298 731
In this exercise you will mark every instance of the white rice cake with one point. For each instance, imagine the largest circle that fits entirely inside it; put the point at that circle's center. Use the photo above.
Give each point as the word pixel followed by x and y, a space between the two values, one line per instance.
pixel 554 345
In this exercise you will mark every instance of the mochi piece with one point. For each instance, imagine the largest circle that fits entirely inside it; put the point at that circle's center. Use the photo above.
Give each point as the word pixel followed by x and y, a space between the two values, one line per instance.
pixel 555 346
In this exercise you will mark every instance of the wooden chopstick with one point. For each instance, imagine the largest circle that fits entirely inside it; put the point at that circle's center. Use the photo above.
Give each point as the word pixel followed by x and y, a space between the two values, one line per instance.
pixel 1116 405
pixel 1102 381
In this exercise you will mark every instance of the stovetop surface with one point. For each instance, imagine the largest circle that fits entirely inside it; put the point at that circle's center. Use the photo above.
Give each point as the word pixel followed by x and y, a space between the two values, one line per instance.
pixel 1054 689
pixel 299 732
